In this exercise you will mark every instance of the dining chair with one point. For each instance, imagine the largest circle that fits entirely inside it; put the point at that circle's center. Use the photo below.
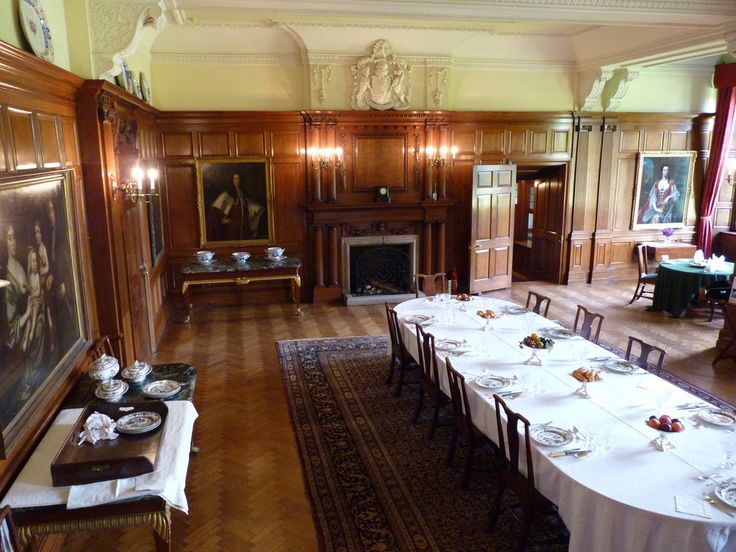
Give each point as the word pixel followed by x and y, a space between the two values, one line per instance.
pixel 101 346
pixel 9 541
pixel 590 324
pixel 510 476
pixel 541 303
pixel 645 277
pixel 463 426
pixel 729 326
pixel 719 295
pixel 400 357
pixel 429 386
pixel 427 285
pixel 645 352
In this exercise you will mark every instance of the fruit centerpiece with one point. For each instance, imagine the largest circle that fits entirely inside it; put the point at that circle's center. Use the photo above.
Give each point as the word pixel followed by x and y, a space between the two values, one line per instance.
pixel 463 297
pixel 665 423
pixel 536 342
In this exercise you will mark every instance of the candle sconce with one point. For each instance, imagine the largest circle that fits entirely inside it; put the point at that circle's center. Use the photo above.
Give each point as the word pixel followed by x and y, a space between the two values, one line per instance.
pixel 327 159
pixel 437 160
pixel 730 170
pixel 135 188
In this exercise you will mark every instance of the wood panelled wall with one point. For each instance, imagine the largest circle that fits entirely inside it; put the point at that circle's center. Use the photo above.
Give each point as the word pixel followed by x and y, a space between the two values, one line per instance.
pixel 38 132
pixel 184 137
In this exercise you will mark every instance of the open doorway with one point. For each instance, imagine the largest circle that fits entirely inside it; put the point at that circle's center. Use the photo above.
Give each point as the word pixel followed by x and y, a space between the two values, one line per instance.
pixel 538 222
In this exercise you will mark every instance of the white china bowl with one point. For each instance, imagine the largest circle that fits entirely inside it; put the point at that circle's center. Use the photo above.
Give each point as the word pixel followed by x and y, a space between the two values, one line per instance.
pixel 275 251
pixel 104 368
pixel 205 256
pixel 137 372
pixel 241 256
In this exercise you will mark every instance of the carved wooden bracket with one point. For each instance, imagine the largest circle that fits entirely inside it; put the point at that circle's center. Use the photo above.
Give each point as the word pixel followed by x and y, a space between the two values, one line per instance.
pixel 124 130
pixel 377 229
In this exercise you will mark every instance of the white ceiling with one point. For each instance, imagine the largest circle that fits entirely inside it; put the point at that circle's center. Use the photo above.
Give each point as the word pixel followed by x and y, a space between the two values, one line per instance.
pixel 560 34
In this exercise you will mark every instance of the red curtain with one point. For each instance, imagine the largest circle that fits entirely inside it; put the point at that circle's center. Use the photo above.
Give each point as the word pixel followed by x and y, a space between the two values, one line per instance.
pixel 725 81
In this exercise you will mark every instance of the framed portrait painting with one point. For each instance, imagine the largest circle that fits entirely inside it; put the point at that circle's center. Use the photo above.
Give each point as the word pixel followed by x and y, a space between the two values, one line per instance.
pixel 235 201
pixel 664 182
pixel 43 326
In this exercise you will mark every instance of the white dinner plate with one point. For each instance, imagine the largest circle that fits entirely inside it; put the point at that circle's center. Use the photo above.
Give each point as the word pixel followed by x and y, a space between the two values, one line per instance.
pixel 517 310
pixel 162 389
pixel 138 422
pixel 726 493
pixel 446 344
pixel 36 29
pixel 716 416
pixel 560 333
pixel 620 366
pixel 492 382
pixel 420 319
pixel 551 436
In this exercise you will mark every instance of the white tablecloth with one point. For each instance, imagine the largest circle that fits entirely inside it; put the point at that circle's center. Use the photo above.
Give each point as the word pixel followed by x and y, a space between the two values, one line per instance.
pixel 33 486
pixel 620 499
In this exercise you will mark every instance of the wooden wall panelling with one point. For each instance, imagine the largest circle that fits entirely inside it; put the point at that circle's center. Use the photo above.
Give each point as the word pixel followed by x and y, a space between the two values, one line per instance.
pixel 69 139
pixel 24 146
pixel 29 86
pixel 50 138
pixel 214 144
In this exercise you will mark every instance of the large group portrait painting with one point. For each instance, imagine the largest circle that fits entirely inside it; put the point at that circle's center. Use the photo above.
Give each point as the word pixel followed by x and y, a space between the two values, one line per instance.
pixel 41 319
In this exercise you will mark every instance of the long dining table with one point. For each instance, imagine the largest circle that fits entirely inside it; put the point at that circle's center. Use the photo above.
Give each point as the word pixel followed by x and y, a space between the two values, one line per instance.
pixel 634 491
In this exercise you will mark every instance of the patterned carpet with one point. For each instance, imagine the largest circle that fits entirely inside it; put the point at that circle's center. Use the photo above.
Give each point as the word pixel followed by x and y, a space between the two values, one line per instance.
pixel 374 481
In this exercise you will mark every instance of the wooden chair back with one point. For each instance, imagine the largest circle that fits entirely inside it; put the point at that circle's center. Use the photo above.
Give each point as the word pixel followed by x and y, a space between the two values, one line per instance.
pixel 9 541
pixel 538 303
pixel 394 331
pixel 589 324
pixel 427 285
pixel 641 259
pixel 101 346
pixel 645 352
pixel 727 350
pixel 509 433
pixel 459 397
pixel 427 356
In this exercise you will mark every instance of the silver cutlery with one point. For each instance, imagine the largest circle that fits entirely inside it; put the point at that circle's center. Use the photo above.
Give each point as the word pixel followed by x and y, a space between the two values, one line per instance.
pixel 577 453
pixel 714 502
pixel 510 395
pixel 579 433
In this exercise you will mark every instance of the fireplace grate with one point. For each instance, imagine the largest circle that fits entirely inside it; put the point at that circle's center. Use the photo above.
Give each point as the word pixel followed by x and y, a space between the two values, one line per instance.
pixel 383 269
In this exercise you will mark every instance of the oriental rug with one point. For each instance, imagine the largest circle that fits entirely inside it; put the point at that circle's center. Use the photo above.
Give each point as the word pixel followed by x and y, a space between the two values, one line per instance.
pixel 374 481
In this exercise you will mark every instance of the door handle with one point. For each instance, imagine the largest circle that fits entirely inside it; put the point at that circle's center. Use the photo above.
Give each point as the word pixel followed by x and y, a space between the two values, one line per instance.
pixel 477 246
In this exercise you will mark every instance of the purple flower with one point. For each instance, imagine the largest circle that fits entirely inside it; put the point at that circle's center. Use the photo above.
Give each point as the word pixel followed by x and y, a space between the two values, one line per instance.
pixel 668 232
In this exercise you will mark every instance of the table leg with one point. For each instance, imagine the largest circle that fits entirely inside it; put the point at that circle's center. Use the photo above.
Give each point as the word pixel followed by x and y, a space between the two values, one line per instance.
pixel 295 294
pixel 186 297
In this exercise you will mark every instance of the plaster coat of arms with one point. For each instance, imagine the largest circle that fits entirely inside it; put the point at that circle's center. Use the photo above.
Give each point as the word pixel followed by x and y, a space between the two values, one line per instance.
pixel 381 81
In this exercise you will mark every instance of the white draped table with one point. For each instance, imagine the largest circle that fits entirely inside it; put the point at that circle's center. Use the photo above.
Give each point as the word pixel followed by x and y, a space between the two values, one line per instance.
pixel 617 499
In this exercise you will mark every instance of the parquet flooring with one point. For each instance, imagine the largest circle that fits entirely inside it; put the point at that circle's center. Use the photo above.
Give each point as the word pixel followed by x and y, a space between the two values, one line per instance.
pixel 245 488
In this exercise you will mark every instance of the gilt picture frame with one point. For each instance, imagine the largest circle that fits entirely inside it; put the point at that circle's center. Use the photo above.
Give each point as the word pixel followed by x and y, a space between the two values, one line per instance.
pixel 43 321
pixel 664 184
pixel 235 201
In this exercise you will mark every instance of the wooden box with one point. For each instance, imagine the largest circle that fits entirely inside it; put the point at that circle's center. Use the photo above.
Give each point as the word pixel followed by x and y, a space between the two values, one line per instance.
pixel 126 456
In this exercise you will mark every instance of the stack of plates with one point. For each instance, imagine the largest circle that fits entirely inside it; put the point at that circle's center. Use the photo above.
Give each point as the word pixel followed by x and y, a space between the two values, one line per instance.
pixel 111 390
pixel 138 422
pixel 162 389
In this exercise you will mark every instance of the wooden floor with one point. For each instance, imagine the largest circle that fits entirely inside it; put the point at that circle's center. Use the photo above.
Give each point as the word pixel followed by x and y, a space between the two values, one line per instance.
pixel 245 488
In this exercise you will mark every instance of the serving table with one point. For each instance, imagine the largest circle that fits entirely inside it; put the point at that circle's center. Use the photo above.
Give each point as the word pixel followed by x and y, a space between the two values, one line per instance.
pixel 39 508
pixel 678 283
pixel 621 496
pixel 673 250
pixel 255 269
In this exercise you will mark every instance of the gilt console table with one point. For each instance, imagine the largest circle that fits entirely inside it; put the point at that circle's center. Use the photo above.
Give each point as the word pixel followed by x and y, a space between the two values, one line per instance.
pixel 256 269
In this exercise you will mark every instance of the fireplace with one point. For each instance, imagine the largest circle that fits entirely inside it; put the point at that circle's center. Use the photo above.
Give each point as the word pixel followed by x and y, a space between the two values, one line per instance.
pixel 378 268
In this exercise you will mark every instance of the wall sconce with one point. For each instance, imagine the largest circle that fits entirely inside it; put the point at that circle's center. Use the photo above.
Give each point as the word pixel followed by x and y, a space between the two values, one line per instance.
pixel 327 158
pixel 437 159
pixel 730 169
pixel 135 188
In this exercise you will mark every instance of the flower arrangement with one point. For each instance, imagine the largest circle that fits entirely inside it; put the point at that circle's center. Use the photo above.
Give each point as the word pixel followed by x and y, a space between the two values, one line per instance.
pixel 667 232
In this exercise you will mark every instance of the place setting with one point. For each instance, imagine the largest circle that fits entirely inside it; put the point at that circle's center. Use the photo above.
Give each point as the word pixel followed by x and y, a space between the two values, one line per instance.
pixel 420 319
pixel 453 347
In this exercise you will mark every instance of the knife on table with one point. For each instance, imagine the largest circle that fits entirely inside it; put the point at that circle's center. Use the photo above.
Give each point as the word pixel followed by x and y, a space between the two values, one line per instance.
pixel 558 453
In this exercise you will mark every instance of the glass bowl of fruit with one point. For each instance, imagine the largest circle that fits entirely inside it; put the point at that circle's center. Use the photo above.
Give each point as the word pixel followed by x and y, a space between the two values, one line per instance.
pixel 536 342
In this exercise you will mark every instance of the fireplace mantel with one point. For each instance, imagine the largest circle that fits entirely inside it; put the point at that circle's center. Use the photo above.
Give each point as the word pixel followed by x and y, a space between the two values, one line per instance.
pixel 330 221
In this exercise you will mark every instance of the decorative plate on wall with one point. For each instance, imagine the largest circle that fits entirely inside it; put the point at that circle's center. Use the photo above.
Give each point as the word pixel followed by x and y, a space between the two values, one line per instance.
pixel 36 30
pixel 136 86
pixel 146 88
pixel 125 78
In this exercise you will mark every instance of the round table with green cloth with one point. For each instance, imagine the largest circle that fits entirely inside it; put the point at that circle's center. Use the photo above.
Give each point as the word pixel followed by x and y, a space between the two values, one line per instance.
pixel 678 284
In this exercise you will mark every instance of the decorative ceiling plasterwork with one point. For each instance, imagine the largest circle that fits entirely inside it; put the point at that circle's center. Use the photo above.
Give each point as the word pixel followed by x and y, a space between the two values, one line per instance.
pixel 321 75
pixel 227 59
pixel 117 31
pixel 617 87
pixel 437 84
pixel 381 80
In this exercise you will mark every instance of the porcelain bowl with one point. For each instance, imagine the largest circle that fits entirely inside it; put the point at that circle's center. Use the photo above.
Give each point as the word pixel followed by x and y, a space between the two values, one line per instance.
pixel 137 372
pixel 241 256
pixel 205 256
pixel 104 368
pixel 275 251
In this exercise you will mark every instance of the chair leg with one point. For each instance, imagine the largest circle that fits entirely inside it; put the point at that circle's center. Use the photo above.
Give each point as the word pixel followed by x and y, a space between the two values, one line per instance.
pixel 723 352
pixel 496 513
pixel 468 466
pixel 637 292
pixel 400 384
pixel 452 448
pixel 391 369
pixel 435 418
pixel 525 526
pixel 420 405
pixel 712 311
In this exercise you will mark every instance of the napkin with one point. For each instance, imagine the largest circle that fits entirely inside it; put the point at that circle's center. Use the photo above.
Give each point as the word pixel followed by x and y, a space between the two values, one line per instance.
pixel 715 264
pixel 698 257
pixel 97 427
pixel 691 505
